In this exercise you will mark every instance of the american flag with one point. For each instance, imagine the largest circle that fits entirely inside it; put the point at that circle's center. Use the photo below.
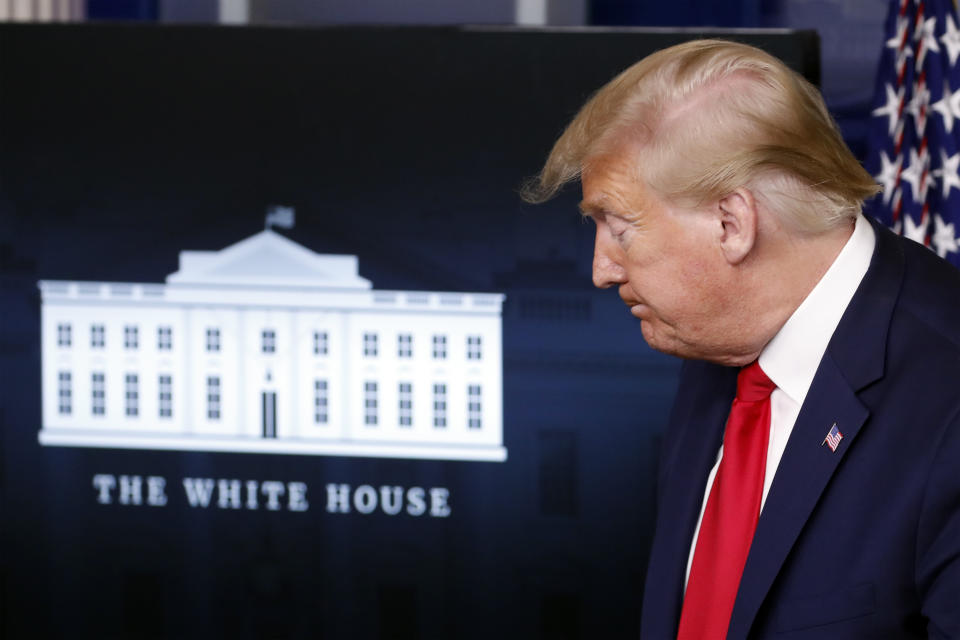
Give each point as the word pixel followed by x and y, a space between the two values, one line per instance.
pixel 833 438
pixel 914 136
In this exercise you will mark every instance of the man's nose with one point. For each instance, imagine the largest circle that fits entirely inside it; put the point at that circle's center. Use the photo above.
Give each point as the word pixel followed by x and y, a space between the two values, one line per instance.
pixel 607 271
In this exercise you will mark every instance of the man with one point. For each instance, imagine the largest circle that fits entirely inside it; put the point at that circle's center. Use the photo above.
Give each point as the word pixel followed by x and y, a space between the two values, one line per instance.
pixel 824 501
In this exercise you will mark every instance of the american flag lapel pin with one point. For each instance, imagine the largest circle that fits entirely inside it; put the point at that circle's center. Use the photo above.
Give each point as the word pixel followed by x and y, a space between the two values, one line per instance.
pixel 833 438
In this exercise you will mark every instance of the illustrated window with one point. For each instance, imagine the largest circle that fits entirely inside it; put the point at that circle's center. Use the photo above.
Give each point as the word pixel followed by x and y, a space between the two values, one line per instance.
pixel 370 348
pixel 405 394
pixel 439 347
pixel 64 335
pixel 164 338
pixel 405 345
pixel 131 395
pixel 213 397
pixel 98 393
pixel 320 343
pixel 165 387
pixel 440 405
pixel 268 341
pixel 473 348
pixel 213 339
pixel 320 401
pixel 474 407
pixel 370 402
pixel 131 337
pixel 64 393
pixel 97 336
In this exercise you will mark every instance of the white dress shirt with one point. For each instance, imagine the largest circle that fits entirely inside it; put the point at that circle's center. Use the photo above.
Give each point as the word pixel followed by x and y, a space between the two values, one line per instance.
pixel 792 357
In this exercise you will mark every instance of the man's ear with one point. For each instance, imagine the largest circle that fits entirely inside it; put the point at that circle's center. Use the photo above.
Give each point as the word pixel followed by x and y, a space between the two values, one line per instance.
pixel 738 217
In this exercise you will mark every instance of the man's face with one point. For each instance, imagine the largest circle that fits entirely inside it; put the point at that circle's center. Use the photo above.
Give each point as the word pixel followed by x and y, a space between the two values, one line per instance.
pixel 665 261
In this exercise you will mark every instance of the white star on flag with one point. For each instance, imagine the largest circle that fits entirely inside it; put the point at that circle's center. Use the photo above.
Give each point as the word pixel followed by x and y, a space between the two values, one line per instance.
pixel 917 107
pixel 944 238
pixel 948 106
pixel 951 40
pixel 894 42
pixel 916 232
pixel 913 175
pixel 928 38
pixel 949 172
pixel 892 108
pixel 888 175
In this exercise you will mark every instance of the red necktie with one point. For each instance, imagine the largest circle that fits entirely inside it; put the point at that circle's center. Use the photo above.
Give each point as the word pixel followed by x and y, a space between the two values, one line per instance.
pixel 733 509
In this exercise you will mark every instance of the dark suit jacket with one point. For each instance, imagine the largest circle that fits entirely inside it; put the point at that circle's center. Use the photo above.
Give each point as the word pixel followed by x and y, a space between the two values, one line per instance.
pixel 863 542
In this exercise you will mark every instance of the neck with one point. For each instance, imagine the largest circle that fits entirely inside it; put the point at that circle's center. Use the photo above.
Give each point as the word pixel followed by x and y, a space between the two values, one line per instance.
pixel 782 273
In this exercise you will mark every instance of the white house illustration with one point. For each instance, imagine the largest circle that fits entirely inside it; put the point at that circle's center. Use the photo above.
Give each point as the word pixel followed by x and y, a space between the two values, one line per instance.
pixel 268 347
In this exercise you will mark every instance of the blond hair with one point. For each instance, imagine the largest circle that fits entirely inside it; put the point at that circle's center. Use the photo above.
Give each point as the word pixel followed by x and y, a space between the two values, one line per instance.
pixel 707 117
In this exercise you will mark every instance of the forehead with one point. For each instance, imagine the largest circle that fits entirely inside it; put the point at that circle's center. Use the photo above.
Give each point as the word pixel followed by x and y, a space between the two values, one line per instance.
pixel 613 181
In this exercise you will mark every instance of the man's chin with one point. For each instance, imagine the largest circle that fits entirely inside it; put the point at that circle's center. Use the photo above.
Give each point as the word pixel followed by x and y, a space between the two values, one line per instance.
pixel 671 345
pixel 658 341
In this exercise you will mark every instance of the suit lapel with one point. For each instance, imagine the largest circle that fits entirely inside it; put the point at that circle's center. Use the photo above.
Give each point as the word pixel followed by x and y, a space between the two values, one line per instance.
pixel 805 470
pixel 854 359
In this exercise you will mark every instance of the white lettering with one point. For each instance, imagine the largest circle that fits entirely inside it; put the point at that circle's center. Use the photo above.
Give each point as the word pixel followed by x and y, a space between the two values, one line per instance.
pixel 297 496
pixel 338 498
pixel 155 494
pixel 390 498
pixel 272 488
pixel 104 483
pixel 365 499
pixel 130 490
pixel 198 491
pixel 228 493
pixel 416 505
pixel 252 494
pixel 341 498
pixel 391 508
pixel 438 502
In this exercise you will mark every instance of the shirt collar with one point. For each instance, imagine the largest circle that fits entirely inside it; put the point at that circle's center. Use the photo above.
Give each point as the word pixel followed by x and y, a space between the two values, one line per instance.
pixel 792 357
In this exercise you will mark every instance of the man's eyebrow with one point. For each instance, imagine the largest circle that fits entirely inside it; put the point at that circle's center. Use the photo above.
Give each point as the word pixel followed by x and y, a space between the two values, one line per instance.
pixel 587 209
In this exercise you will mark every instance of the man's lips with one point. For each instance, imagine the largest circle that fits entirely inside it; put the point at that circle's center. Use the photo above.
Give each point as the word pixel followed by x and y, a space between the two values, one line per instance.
pixel 637 308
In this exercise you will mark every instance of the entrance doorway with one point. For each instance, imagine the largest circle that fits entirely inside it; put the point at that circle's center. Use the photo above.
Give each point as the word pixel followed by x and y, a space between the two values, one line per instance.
pixel 269 414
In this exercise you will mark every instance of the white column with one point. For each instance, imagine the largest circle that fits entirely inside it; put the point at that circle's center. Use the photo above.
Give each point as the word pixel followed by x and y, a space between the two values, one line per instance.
pixel 346 382
pixel 242 428
pixel 295 384
pixel 185 383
